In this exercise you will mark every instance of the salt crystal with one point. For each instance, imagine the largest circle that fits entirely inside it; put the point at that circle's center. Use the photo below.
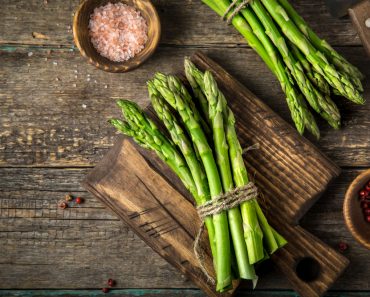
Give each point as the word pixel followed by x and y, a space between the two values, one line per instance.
pixel 118 31
pixel 75 71
pixel 55 63
pixel 106 87
pixel 30 54
pixel 74 85
pixel 76 76
pixel 88 79
pixel 57 78
pixel 83 105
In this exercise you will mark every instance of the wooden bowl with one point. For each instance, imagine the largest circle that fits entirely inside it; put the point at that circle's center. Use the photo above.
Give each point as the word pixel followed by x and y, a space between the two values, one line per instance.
pixel 83 42
pixel 352 211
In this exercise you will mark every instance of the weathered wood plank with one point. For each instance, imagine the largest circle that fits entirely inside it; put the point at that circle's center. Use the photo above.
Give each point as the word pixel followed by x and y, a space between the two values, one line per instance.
pixel 55 106
pixel 183 23
pixel 45 247
pixel 160 293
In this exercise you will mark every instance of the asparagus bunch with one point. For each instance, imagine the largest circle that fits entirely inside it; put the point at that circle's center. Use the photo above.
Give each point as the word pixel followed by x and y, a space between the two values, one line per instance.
pixel 306 66
pixel 207 167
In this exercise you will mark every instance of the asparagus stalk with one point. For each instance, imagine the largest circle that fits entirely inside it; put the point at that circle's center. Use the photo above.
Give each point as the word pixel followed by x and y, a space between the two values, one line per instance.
pixel 296 70
pixel 251 211
pixel 246 270
pixel 182 141
pixel 239 170
pixel 189 100
pixel 334 57
pixel 317 59
pixel 300 114
pixel 168 87
pixel 252 233
pixel 197 91
pixel 146 134
pixel 316 78
pixel 322 104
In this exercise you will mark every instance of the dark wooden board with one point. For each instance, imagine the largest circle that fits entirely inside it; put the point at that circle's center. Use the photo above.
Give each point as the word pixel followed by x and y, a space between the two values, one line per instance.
pixel 291 172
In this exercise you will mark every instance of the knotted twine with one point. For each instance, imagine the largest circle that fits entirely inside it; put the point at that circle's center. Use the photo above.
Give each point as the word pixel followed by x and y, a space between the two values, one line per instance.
pixel 217 205
pixel 235 10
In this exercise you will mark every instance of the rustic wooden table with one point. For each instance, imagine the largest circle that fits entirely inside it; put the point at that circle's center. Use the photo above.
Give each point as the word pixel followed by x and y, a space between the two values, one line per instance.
pixel 54 108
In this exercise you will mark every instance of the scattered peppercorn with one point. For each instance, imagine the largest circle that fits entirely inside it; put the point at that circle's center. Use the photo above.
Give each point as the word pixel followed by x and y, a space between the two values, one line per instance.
pixel 79 200
pixel 364 196
pixel 342 246
pixel 111 282
pixel 63 205
pixel 68 197
pixel 105 290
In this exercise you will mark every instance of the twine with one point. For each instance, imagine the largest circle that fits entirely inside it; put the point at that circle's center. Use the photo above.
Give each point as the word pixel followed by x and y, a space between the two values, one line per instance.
pixel 217 205
pixel 235 10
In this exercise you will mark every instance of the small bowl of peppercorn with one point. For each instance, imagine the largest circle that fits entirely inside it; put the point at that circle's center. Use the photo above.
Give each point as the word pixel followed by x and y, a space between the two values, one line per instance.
pixel 356 208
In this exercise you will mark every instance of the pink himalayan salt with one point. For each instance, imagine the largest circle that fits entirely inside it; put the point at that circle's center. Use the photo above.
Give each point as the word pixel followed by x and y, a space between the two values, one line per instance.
pixel 118 31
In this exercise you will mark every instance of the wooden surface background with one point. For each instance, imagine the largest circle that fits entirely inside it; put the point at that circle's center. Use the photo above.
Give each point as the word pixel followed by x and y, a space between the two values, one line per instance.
pixel 53 112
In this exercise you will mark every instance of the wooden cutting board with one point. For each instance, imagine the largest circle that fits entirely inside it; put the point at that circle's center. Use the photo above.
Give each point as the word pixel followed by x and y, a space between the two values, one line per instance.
pixel 290 172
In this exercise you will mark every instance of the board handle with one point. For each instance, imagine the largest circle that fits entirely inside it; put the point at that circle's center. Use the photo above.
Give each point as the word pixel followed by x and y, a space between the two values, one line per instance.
pixel 310 265
pixel 360 16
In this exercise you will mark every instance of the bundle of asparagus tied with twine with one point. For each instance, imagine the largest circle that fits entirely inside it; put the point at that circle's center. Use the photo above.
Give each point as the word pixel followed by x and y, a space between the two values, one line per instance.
pixel 307 67
pixel 203 149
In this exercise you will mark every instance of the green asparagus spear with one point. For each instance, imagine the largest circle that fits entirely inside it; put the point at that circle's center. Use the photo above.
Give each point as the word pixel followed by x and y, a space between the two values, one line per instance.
pixel 197 91
pixel 189 100
pixel 181 140
pixel 316 78
pixel 299 111
pixel 317 59
pixel 296 71
pixel 216 110
pixel 322 104
pixel 168 87
pixel 334 57
pixel 250 209
pixel 146 134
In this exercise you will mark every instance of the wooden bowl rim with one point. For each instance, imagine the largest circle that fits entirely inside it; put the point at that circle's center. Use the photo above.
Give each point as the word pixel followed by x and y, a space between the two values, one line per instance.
pixel 352 194
pixel 122 66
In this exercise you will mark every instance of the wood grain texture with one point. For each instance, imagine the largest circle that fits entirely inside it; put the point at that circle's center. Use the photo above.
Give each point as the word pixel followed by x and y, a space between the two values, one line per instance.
pixel 359 13
pixel 48 122
pixel 159 293
pixel 54 111
pixel 145 201
pixel 45 247
pixel 284 162
pixel 183 23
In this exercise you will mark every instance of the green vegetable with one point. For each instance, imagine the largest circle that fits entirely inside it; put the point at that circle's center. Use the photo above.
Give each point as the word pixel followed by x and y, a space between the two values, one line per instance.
pixel 297 57
pixel 322 104
pixel 333 56
pixel 216 110
pixel 181 140
pixel 170 89
pixel 147 134
pixel 335 78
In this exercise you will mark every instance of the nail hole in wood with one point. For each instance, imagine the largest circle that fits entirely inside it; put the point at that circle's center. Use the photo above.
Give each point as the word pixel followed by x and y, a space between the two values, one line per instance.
pixel 307 269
